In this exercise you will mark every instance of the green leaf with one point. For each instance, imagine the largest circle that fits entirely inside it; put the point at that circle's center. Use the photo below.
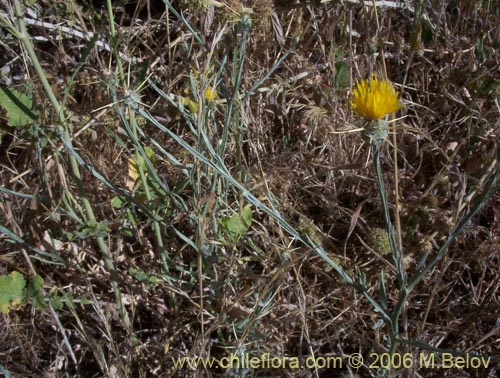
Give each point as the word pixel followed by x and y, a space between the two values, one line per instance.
pixel 191 105
pixel 69 301
pixel 19 107
pixel 84 300
pixel 342 75
pixel 34 286
pixel 57 302
pixel 237 225
pixel 11 291
pixel 33 291
pixel 117 202
pixel 142 276
pixel 92 229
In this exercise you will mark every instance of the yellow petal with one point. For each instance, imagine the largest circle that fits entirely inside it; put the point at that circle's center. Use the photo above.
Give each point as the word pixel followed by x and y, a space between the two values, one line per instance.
pixel 211 94
pixel 374 99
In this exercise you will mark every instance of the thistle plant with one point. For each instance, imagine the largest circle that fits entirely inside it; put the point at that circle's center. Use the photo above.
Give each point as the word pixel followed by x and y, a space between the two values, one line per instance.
pixel 374 99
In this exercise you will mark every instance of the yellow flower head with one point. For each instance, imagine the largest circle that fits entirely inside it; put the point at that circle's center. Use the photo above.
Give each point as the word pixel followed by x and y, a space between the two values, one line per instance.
pixel 374 99
pixel 211 94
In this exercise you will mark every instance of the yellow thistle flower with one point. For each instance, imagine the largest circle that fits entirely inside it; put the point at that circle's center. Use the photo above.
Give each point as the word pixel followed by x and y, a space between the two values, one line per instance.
pixel 374 99
pixel 211 94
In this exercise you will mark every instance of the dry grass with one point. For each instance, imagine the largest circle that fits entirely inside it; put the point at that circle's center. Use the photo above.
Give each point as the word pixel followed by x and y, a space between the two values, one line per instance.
pixel 188 288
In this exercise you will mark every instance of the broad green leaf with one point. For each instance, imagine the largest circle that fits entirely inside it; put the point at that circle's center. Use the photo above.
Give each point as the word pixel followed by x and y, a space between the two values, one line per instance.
pixel 11 291
pixel 57 302
pixel 342 78
pixel 33 291
pixel 19 107
pixel 117 202
pixel 237 225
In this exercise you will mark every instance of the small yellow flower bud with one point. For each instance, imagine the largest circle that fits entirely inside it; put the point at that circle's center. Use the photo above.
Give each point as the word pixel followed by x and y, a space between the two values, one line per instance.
pixel 211 94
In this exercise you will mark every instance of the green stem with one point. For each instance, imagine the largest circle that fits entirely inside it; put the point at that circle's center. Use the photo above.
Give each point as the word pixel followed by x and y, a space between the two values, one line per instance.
pixel 111 17
pixel 396 252
pixel 396 255
pixel 144 182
